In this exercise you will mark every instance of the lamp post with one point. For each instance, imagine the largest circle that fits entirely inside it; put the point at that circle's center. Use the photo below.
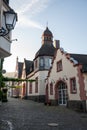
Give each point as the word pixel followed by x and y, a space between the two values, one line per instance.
pixel 10 18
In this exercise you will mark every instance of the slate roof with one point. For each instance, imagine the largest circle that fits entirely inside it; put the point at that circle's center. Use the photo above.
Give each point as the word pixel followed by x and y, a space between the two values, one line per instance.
pixel 46 50
pixel 29 66
pixel 82 59
pixel 20 67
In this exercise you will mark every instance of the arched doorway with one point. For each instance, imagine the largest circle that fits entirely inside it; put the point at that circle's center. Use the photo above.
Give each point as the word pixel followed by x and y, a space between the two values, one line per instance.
pixel 61 90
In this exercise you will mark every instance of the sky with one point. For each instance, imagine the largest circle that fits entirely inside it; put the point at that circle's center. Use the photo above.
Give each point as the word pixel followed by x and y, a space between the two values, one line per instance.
pixel 66 19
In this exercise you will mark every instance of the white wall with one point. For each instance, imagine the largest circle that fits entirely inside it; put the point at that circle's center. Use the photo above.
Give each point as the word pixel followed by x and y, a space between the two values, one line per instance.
pixel 68 71
pixel 4 41
pixel 41 83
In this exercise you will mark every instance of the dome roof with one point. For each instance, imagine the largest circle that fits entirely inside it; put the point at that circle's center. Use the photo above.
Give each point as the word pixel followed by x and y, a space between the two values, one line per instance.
pixel 46 50
pixel 47 32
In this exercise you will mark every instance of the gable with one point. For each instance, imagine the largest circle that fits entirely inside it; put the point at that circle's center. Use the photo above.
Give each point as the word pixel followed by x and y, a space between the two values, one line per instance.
pixel 67 64
pixel 28 66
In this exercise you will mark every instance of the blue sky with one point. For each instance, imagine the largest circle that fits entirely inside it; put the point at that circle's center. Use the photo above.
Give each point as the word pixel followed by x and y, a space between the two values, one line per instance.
pixel 67 20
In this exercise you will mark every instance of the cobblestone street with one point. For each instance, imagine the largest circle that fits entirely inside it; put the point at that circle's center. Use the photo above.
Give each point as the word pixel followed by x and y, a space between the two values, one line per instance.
pixel 18 114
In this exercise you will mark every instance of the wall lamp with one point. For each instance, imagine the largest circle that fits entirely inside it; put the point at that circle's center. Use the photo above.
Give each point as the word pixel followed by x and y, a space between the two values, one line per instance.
pixel 10 18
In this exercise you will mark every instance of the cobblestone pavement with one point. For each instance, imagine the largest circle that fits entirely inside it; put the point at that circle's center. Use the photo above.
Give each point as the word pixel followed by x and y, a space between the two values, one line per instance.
pixel 18 114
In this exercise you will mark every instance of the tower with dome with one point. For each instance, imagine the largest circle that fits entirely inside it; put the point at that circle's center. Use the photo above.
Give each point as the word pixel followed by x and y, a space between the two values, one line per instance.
pixel 41 65
pixel 37 69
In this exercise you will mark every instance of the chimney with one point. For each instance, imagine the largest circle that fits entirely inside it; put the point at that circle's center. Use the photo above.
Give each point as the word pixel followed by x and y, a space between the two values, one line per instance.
pixel 57 44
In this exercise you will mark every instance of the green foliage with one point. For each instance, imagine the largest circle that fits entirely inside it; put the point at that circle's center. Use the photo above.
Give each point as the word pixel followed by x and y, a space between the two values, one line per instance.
pixel 17 79
pixel 6 79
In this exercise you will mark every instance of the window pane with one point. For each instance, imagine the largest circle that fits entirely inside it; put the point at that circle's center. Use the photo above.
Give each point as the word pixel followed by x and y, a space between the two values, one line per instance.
pixel 59 65
pixel 73 85
pixel 50 61
pixel 41 62
pixel 46 62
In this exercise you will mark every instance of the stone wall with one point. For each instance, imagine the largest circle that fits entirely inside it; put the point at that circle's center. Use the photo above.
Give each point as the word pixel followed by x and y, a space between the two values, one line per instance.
pixel 77 105
pixel 38 98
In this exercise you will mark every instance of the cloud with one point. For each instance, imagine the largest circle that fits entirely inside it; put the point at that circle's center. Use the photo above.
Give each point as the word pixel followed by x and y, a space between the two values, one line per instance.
pixel 25 22
pixel 28 10
pixel 34 6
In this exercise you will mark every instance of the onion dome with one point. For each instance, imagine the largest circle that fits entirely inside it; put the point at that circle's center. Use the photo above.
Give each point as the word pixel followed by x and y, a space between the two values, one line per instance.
pixel 47 32
pixel 47 48
pixel 47 37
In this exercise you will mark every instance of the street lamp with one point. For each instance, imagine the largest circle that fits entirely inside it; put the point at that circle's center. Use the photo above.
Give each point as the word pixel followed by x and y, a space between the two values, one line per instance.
pixel 10 21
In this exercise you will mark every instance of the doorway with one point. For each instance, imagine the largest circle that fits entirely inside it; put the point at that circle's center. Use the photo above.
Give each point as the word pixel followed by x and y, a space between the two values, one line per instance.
pixel 62 94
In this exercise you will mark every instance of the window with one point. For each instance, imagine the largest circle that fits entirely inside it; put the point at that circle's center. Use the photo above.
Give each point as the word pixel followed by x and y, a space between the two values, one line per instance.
pixel 59 66
pixel 30 87
pixel 51 88
pixel 73 88
pixel 46 62
pixel 41 62
pixel 50 62
pixel 36 85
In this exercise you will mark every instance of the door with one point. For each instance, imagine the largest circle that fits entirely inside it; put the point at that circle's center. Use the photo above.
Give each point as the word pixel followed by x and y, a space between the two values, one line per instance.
pixel 62 94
